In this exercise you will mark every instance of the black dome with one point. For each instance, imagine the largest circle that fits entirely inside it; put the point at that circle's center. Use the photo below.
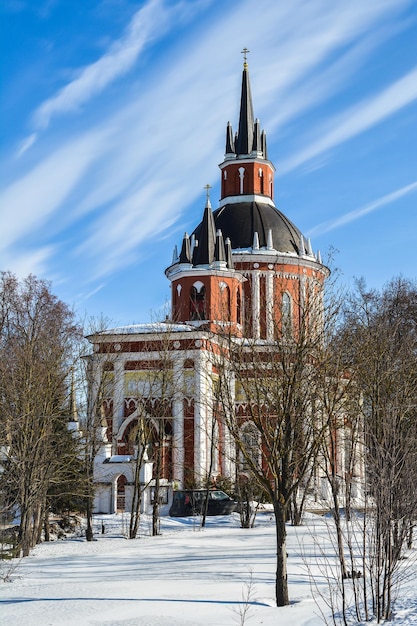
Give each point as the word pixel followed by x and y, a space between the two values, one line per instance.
pixel 239 222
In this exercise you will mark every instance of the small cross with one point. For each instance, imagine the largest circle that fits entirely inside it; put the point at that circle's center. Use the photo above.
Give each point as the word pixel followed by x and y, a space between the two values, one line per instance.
pixel 207 188
pixel 245 52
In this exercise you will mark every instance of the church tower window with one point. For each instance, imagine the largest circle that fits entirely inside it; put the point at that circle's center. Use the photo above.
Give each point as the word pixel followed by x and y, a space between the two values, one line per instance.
pixel 225 301
pixel 224 179
pixel 261 181
pixel 198 302
pixel 241 179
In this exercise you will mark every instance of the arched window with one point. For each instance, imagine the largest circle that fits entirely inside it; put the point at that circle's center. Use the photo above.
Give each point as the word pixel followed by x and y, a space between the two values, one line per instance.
pixel 261 181
pixel 198 302
pixel 238 307
pixel 250 453
pixel 286 314
pixel 241 179
pixel 224 179
pixel 224 301
pixel 177 293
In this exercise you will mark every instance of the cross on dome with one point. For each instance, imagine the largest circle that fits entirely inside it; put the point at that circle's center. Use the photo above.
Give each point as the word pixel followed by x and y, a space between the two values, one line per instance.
pixel 245 58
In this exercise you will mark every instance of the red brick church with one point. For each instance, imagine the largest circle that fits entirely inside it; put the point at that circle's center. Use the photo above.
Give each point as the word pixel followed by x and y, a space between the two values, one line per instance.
pixel 243 270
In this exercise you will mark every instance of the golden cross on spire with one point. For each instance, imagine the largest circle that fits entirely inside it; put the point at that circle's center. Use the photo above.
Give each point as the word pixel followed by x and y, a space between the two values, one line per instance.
pixel 245 57
pixel 207 188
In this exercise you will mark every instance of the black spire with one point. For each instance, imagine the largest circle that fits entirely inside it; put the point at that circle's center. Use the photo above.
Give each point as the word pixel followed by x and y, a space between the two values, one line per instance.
pixel 263 143
pixel 204 252
pixel 244 141
pixel 257 145
pixel 185 255
pixel 219 251
pixel 230 142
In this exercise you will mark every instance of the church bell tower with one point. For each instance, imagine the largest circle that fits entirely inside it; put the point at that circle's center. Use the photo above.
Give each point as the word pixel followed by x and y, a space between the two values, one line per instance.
pixel 246 266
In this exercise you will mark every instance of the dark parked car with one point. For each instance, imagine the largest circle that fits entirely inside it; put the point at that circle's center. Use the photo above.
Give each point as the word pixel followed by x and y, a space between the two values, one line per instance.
pixel 191 502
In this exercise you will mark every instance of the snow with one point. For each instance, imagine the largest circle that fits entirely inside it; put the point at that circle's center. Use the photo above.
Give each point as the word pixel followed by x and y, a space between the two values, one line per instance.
pixel 153 327
pixel 187 576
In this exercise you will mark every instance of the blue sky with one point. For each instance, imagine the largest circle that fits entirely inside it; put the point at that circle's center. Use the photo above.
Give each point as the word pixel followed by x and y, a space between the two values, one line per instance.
pixel 114 115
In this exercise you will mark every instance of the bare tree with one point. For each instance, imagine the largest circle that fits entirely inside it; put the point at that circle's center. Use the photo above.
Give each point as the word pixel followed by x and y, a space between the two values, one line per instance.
pixel 96 384
pixel 154 422
pixel 141 439
pixel 379 336
pixel 267 391
pixel 37 350
pixel 385 331
pixel 340 461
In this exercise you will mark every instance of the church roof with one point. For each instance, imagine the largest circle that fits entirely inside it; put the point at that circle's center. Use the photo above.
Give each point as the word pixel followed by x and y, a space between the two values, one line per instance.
pixel 245 219
pixel 241 220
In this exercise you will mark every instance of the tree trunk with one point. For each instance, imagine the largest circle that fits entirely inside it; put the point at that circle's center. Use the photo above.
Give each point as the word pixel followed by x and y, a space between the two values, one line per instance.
pixel 410 535
pixel 46 526
pixel 281 581
pixel 296 510
pixel 37 523
pixel 89 515
pixel 136 501
pixel 338 526
pixel 155 507
pixel 25 531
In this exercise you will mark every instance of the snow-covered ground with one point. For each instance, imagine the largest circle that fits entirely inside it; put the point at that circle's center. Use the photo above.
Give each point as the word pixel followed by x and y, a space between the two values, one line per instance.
pixel 221 575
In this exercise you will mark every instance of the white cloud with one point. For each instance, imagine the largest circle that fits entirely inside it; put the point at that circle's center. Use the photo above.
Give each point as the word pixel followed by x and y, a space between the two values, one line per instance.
pixel 147 162
pixel 359 118
pixel 351 216
pixel 28 262
pixel 26 144
pixel 31 200
pixel 147 23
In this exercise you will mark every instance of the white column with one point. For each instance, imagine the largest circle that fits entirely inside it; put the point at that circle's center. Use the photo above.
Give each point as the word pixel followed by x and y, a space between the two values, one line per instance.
pixel 119 394
pixel 229 452
pixel 256 303
pixel 178 421
pixel 269 305
pixel 202 414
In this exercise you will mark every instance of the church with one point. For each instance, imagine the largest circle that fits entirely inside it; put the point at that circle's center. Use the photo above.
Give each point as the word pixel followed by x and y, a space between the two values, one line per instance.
pixel 244 269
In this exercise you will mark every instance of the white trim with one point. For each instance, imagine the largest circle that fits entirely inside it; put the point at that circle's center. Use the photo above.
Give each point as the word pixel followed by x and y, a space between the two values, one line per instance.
pixel 248 197
pixel 269 293
pixel 256 304
pixel 235 159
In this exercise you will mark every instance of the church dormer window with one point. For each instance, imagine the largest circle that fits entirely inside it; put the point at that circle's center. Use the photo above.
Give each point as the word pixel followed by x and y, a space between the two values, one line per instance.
pixel 198 301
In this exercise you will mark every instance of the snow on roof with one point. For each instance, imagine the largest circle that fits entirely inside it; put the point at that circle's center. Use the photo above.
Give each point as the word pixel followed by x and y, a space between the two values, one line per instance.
pixel 156 327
